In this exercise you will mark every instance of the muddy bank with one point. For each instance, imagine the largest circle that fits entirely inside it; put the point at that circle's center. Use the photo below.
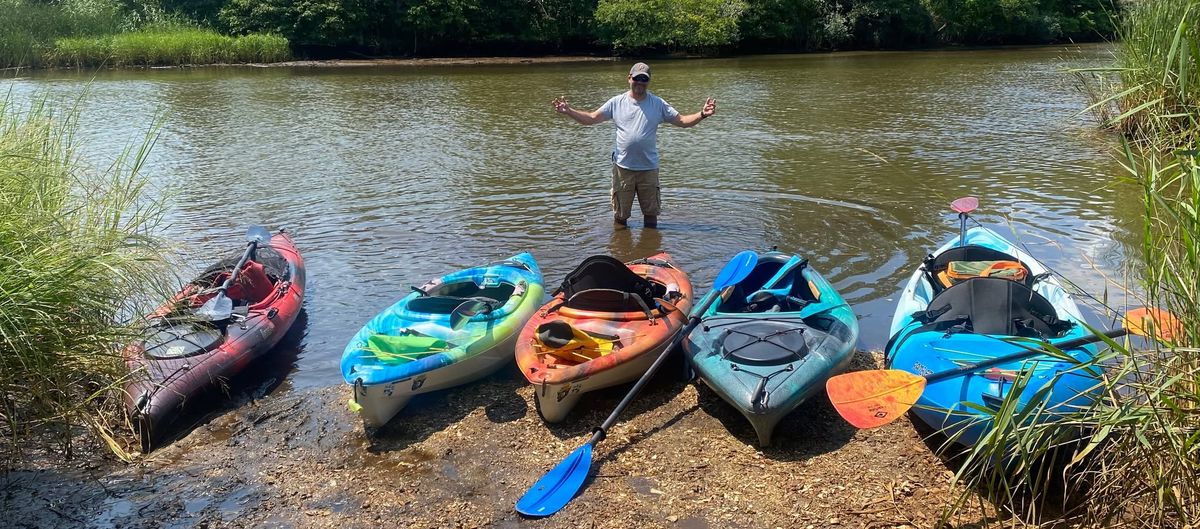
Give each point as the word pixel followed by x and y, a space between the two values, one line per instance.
pixel 461 458
pixel 442 61
pixel 355 63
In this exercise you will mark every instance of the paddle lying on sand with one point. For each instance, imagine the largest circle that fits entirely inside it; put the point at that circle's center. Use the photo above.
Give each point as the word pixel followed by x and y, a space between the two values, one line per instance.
pixel 964 206
pixel 870 399
pixel 220 307
pixel 560 484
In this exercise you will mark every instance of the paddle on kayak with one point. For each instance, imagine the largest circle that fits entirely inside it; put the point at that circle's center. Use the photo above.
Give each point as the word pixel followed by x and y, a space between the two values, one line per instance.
pixel 964 206
pixel 220 307
pixel 555 489
pixel 873 398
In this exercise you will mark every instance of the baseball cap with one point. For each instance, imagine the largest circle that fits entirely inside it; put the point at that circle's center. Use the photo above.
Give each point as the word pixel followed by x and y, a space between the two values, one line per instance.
pixel 640 68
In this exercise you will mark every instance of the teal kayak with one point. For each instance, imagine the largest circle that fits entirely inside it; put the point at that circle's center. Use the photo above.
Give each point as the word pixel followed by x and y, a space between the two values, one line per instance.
pixel 412 348
pixel 773 340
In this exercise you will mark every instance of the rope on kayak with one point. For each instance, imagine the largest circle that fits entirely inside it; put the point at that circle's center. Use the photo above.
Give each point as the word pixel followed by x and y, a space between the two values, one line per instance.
pixel 758 339
pixel 761 396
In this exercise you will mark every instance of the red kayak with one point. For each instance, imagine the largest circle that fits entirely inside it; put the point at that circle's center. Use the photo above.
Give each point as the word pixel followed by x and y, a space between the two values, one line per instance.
pixel 186 354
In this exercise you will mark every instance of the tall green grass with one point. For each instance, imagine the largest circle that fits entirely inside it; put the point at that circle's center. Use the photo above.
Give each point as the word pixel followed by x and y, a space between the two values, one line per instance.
pixel 168 46
pixel 1153 101
pixel 1131 458
pixel 28 28
pixel 86 33
pixel 77 252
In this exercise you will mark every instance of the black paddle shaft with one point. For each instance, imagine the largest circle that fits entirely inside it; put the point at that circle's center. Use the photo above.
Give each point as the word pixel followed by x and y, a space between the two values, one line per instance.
pixel 1020 355
pixel 237 268
pixel 602 431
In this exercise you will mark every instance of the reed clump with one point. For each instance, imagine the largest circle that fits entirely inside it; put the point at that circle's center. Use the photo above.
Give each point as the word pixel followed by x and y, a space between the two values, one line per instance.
pixel 78 251
pixel 1150 94
pixel 167 46
pixel 89 33
pixel 28 28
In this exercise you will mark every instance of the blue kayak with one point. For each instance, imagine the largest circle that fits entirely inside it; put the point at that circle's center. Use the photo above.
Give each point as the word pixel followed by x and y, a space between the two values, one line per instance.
pixel 966 304
pixel 773 340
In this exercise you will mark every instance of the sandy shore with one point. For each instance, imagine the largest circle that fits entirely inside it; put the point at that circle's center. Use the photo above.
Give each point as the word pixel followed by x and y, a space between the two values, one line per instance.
pixel 462 457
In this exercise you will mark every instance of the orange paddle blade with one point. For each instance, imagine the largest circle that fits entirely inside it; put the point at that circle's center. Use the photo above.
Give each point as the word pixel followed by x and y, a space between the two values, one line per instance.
pixel 1155 323
pixel 870 399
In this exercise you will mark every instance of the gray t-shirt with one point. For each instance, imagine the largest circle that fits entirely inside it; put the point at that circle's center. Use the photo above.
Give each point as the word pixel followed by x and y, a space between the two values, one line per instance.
pixel 636 147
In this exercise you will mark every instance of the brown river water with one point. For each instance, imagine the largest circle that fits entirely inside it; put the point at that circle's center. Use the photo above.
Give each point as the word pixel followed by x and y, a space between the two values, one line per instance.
pixel 389 176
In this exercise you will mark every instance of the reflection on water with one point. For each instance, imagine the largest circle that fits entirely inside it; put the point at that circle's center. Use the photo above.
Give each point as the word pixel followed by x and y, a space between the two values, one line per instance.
pixel 391 176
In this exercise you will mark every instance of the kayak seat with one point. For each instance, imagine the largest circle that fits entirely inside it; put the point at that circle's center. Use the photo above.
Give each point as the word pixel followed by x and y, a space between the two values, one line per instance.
pixel 252 284
pixel 961 263
pixel 501 291
pixel 445 297
pixel 446 304
pixel 742 293
pixel 990 305
pixel 602 283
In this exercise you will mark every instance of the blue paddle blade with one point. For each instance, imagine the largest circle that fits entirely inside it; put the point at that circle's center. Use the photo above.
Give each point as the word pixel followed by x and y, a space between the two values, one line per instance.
pixel 736 270
pixel 558 486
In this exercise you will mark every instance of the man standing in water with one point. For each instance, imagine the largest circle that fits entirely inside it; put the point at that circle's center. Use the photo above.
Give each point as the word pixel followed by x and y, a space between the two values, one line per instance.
pixel 636 114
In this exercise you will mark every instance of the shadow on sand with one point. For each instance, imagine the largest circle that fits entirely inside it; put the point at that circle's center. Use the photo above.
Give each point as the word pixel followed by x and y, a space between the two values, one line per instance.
pixel 429 413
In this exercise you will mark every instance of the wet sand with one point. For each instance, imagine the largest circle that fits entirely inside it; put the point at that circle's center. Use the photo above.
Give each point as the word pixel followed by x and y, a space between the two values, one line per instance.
pixel 462 457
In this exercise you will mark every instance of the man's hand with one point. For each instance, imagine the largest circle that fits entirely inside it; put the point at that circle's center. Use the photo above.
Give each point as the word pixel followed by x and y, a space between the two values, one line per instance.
pixel 561 105
pixel 710 108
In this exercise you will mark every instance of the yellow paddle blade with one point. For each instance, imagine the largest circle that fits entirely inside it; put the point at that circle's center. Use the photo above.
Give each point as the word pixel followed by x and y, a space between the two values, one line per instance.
pixel 870 399
pixel 1153 323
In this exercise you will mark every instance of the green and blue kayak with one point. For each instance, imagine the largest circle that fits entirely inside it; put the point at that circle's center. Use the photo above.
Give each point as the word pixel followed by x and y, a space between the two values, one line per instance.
pixel 773 340
pixel 412 347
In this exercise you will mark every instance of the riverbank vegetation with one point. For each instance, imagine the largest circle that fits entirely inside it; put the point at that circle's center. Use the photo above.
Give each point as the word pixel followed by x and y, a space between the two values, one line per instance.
pixel 87 32
pixel 77 251
pixel 415 27
pixel 39 33
pixel 1138 463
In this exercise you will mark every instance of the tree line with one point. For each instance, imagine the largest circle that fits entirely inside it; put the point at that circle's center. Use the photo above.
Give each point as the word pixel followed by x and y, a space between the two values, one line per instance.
pixel 512 27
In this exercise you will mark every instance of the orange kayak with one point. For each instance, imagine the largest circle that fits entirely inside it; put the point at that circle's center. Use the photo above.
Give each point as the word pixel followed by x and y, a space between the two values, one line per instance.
pixel 605 325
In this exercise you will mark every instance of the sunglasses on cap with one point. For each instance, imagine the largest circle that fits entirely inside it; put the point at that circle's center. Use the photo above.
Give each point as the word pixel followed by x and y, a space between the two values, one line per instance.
pixel 641 78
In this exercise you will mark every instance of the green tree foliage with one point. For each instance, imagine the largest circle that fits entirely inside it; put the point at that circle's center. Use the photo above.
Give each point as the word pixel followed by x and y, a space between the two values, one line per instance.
pixel 203 11
pixel 435 21
pixel 787 23
pixel 888 23
pixel 449 27
pixel 321 22
pixel 1008 21
pixel 688 24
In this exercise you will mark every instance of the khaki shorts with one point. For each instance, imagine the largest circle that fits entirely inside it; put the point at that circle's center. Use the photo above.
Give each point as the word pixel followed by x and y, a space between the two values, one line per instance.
pixel 627 184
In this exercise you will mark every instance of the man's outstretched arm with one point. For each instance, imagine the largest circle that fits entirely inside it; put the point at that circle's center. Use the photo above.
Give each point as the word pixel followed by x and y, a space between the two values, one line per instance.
pixel 587 118
pixel 690 120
